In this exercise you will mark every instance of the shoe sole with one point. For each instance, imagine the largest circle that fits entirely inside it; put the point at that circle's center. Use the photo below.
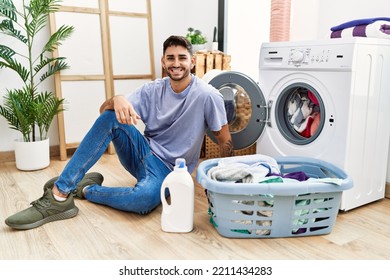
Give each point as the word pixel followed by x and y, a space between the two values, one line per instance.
pixel 57 217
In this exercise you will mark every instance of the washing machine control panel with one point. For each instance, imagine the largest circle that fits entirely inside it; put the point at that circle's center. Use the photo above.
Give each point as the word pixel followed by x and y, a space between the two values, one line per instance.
pixel 306 56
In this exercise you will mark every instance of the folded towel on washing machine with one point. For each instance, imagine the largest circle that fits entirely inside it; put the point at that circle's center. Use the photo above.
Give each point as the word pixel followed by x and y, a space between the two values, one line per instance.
pixel 376 29
pixel 356 22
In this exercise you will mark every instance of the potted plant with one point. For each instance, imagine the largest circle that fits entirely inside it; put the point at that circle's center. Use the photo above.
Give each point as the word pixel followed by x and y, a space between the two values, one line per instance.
pixel 196 38
pixel 27 109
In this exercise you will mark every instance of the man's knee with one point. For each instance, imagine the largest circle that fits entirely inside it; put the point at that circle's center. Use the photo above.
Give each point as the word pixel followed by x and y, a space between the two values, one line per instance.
pixel 150 200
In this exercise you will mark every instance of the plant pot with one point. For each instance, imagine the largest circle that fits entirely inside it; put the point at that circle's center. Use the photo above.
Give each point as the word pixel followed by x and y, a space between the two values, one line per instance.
pixel 31 156
pixel 198 47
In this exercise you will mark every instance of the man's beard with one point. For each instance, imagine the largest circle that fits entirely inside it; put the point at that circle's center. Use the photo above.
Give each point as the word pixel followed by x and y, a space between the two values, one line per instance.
pixel 185 74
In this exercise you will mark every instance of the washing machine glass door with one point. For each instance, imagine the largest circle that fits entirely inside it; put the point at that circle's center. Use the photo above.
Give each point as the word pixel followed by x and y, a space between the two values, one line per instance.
pixel 245 105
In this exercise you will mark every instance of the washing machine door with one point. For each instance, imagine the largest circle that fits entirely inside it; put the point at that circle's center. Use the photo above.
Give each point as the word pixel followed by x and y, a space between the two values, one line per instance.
pixel 245 105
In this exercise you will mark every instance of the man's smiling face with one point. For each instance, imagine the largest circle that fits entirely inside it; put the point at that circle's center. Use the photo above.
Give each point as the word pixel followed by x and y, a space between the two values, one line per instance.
pixel 177 62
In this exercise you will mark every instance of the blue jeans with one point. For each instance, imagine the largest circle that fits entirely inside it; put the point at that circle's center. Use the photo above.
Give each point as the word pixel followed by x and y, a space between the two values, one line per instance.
pixel 134 154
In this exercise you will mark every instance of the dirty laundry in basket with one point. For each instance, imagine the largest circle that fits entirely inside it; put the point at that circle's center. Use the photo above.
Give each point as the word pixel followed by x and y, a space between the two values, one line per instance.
pixel 285 208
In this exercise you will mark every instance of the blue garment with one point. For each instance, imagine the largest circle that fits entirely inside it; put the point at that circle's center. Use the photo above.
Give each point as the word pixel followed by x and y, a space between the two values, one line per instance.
pixel 166 135
pixel 167 127
pixel 358 22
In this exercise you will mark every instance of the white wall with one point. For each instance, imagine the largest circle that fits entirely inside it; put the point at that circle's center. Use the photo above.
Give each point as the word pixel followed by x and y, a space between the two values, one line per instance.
pixel 304 19
pixel 245 31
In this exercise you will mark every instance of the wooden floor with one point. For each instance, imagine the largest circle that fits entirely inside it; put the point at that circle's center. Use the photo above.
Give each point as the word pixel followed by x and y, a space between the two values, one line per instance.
pixel 102 233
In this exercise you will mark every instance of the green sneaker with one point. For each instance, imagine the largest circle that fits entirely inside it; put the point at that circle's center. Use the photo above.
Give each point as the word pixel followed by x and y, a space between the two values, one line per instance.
pixel 89 179
pixel 43 210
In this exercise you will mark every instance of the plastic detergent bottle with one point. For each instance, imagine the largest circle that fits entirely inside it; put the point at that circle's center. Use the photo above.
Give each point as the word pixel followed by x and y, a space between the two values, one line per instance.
pixel 178 215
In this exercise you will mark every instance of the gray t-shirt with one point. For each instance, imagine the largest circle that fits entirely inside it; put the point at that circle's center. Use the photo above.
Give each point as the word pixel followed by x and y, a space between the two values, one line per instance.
pixel 175 124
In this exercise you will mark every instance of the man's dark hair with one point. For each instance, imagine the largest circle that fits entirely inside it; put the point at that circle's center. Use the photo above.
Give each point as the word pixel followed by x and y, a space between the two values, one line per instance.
pixel 177 41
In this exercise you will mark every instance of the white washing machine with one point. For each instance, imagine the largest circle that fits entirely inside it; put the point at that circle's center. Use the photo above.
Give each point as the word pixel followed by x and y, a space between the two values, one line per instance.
pixel 323 99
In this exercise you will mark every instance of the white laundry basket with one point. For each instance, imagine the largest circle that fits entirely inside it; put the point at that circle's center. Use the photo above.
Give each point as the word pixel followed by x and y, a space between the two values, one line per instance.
pixel 266 210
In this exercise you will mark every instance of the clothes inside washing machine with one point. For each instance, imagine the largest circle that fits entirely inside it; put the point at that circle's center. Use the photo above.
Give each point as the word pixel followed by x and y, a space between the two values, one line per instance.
pixel 304 113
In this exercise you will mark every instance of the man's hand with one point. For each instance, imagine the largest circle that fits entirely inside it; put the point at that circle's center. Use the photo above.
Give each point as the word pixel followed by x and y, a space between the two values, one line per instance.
pixel 124 111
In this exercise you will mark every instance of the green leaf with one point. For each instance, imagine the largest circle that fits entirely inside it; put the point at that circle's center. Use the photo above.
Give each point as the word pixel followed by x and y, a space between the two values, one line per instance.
pixel 61 34
pixel 6 52
pixel 195 36
pixel 8 9
pixel 18 111
pixel 13 64
pixel 57 66
pixel 46 62
pixel 46 106
pixel 7 27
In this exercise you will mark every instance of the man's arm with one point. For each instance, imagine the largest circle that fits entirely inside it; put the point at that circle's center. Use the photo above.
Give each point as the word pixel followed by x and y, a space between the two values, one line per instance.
pixel 107 105
pixel 224 140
